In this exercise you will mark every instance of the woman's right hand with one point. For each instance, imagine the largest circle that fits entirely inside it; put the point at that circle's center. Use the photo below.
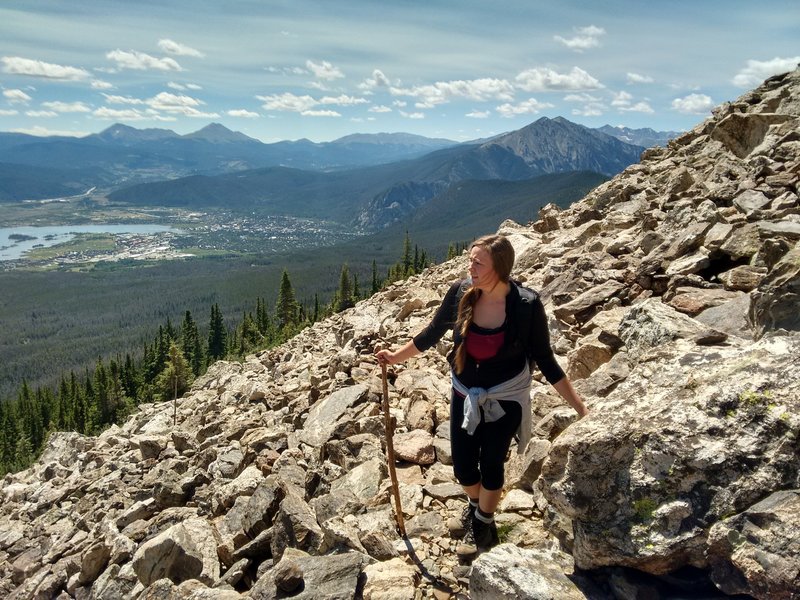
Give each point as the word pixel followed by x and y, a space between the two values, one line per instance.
pixel 386 357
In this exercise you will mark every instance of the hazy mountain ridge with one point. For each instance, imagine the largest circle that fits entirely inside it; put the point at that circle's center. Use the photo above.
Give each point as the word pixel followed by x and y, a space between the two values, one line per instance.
pixel 124 155
pixel 641 137
pixel 376 197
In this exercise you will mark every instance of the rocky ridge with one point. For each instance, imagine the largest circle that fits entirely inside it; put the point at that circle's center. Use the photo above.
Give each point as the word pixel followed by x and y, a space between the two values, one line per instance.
pixel 673 293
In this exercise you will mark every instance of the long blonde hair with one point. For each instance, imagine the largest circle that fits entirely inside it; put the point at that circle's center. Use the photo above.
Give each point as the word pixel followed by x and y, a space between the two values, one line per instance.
pixel 502 254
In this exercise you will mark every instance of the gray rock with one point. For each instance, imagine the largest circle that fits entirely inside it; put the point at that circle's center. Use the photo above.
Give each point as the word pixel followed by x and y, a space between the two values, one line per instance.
pixel 325 415
pixel 185 551
pixel 511 573
pixel 774 304
pixel 756 552
pixel 333 577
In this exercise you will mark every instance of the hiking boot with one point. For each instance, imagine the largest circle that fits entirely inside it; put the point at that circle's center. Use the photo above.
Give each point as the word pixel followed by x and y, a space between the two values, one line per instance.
pixel 479 537
pixel 458 525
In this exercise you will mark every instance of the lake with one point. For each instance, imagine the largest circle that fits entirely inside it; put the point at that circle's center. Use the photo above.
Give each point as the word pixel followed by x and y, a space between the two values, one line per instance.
pixel 15 241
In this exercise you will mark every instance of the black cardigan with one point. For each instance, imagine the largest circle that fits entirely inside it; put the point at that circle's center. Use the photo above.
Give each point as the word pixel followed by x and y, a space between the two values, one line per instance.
pixel 516 351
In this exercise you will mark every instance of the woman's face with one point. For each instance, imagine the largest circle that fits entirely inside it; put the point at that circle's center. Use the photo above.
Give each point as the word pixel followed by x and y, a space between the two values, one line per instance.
pixel 481 268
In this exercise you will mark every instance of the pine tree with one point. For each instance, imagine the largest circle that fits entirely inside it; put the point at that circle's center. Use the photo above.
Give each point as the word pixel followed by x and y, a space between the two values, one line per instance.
pixel 356 288
pixel 406 256
pixel 376 284
pixel 286 306
pixel 217 336
pixel 175 378
pixel 344 295
pixel 190 344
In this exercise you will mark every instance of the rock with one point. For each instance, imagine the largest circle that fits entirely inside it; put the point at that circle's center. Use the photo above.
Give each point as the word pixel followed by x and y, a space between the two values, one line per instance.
pixel 652 323
pixel 669 453
pixel 93 562
pixel 335 576
pixel 582 308
pixel 326 413
pixel 744 278
pixel 390 580
pixel 511 573
pixel 288 576
pixel 262 506
pixel 364 481
pixel 774 304
pixel 296 526
pixel 151 446
pixel 415 446
pixel 185 551
pixel 244 485
pixel 756 551
pixel 692 301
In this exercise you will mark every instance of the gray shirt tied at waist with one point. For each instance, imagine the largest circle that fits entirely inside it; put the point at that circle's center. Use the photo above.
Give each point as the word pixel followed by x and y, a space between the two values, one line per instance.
pixel 516 389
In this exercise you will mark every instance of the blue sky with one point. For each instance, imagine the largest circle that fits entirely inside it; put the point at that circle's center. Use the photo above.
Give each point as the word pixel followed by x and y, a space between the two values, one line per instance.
pixel 459 69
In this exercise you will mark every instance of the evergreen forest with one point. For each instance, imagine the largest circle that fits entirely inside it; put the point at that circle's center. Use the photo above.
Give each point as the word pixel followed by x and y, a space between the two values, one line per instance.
pixel 89 401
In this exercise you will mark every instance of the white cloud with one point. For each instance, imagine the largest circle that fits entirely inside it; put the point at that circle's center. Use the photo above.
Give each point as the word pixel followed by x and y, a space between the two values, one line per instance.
pixel 111 99
pixel 16 65
pixel 320 113
pixel 181 87
pixel 343 100
pixel 44 132
pixel 379 109
pixel 47 114
pixel 8 113
pixel 99 84
pixel 113 114
pixel 590 110
pixel 693 104
pixel 757 71
pixel 324 70
pixel 400 103
pixel 67 107
pixel 287 102
pixel 640 107
pixel 581 98
pixel 377 80
pixel 443 92
pixel 245 114
pixel 175 104
pixel 414 115
pixel 478 114
pixel 172 47
pixel 528 107
pixel 172 102
pixel 585 38
pixel 622 99
pixel 637 78
pixel 547 80
pixel 139 61
pixel 16 96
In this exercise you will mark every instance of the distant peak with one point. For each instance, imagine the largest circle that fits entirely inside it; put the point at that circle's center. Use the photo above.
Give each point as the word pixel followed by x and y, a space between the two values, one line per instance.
pixel 216 132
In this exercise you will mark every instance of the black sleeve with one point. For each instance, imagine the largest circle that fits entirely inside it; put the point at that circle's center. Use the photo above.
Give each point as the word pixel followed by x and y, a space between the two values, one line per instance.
pixel 539 348
pixel 442 321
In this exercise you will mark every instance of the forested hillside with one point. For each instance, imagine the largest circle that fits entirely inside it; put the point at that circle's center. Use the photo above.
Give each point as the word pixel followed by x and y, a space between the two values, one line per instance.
pixel 87 400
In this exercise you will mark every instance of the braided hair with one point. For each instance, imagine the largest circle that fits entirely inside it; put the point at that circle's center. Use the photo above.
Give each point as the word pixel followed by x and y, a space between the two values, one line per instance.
pixel 502 254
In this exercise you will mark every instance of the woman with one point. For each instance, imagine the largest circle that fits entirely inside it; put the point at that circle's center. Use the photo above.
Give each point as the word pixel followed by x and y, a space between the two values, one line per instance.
pixel 491 373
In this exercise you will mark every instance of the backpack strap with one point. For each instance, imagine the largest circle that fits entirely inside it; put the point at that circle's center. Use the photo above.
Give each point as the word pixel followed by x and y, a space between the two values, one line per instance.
pixel 524 315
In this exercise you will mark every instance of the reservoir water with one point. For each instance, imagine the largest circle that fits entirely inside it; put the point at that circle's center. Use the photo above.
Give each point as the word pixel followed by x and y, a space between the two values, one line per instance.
pixel 15 241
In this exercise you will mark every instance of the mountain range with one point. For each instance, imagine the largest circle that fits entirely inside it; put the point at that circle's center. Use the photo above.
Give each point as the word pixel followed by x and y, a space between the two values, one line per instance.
pixel 368 181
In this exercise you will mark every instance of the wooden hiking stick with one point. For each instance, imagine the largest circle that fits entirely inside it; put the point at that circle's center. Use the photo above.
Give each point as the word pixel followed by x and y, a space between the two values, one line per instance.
pixel 390 452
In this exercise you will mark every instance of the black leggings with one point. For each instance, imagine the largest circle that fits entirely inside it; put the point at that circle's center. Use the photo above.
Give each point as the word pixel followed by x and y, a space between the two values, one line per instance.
pixel 480 457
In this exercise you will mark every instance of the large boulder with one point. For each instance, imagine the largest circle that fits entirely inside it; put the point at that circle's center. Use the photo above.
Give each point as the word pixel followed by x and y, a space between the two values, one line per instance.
pixel 694 434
